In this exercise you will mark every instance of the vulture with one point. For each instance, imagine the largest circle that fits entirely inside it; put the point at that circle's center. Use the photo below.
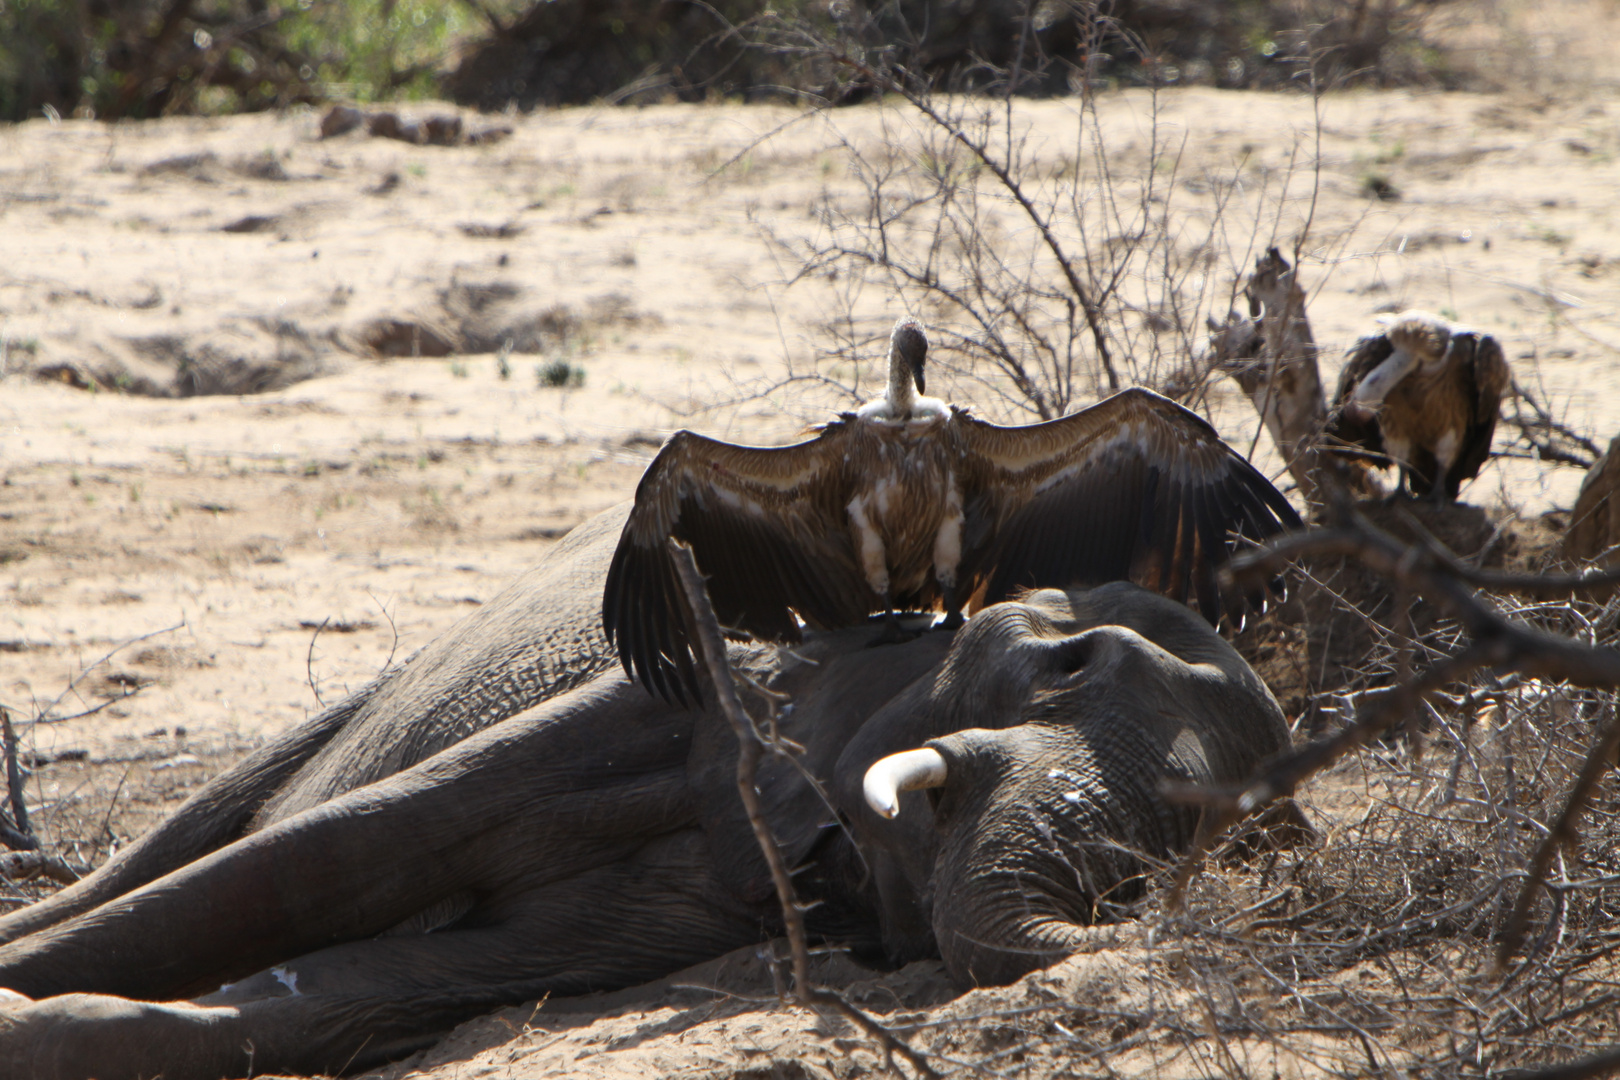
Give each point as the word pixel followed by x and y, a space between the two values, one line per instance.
pixel 913 504
pixel 1424 395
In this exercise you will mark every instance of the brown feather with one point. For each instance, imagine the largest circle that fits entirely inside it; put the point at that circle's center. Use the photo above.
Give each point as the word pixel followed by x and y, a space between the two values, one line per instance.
pixel 1134 487
pixel 1452 395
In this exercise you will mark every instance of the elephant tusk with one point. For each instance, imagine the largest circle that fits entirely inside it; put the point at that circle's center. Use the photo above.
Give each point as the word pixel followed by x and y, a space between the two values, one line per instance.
pixel 908 770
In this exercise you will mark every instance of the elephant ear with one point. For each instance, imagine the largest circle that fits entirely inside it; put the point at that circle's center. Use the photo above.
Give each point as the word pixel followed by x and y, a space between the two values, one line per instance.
pixel 838 690
pixel 793 808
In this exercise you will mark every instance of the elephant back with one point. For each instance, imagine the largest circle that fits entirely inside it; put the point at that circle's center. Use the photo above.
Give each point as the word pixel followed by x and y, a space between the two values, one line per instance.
pixel 540 637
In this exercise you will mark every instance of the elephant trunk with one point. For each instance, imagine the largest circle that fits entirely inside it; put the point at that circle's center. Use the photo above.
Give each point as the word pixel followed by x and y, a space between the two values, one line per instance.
pixel 1037 843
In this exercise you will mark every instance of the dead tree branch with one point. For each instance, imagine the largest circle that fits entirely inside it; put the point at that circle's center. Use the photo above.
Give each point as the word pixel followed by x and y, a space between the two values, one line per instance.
pixel 15 833
pixel 1546 438
pixel 22 865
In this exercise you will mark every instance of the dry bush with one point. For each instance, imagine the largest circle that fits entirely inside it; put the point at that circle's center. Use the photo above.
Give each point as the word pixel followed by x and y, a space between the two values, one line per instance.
pixel 1053 265
pixel 1454 916
pixel 1049 277
pixel 1382 947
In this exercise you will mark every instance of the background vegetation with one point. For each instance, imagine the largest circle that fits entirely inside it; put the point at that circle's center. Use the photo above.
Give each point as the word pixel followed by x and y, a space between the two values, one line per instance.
pixel 138 58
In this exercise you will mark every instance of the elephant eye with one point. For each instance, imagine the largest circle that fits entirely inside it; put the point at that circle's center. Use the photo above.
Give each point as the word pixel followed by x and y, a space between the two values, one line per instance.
pixel 1070 654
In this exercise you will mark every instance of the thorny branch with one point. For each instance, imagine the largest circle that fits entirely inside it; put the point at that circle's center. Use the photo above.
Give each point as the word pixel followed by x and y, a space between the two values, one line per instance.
pixel 750 749
pixel 1563 834
pixel 15 833
pixel 1547 438
pixel 43 715
pixel 1497 642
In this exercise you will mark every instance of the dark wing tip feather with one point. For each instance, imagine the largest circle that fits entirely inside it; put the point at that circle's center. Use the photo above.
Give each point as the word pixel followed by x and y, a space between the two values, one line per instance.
pixel 755 520
pixel 644 617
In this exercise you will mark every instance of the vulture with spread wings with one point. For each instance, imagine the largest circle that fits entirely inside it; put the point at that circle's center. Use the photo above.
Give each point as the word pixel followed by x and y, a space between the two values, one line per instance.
pixel 910 503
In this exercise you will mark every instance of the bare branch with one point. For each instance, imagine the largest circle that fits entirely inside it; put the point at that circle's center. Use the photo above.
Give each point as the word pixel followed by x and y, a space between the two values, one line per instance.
pixel 43 715
pixel 309 663
pixel 15 834
pixel 750 749
pixel 1563 834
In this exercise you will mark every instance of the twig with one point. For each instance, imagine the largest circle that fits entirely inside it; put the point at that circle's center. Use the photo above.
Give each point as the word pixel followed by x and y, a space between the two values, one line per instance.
pixel 42 716
pixel 1563 833
pixel 21 865
pixel 309 663
pixel 91 711
pixel 112 804
pixel 393 629
pixel 20 838
pixel 1009 182
pixel 1498 642
pixel 750 748
pixel 1548 448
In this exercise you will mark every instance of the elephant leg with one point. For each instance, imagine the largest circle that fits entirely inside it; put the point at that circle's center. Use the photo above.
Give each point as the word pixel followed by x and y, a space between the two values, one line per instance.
pixel 573 784
pixel 210 819
pixel 356 1005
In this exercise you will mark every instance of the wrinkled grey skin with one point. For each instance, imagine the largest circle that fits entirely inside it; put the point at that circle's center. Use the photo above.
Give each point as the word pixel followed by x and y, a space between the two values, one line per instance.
pixel 507 816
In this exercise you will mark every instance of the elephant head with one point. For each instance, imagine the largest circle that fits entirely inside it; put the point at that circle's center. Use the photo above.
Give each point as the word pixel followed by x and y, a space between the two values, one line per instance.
pixel 1042 742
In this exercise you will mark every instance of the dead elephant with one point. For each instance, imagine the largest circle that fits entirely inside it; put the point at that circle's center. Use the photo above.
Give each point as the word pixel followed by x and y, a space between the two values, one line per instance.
pixel 506 816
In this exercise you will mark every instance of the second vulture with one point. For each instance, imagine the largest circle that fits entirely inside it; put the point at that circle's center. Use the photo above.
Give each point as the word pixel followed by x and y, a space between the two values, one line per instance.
pixel 911 503
pixel 1423 395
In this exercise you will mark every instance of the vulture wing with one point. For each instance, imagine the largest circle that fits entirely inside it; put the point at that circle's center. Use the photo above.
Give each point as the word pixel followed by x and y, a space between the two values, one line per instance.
pixel 1358 438
pixel 1488 377
pixel 1135 487
pixel 757 520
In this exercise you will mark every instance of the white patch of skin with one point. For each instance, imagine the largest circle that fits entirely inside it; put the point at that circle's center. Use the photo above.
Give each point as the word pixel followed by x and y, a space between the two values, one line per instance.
pixel 870 543
pixel 286 977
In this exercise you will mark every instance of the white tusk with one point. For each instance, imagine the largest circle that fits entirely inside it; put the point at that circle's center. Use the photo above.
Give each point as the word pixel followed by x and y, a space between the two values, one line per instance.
pixel 908 770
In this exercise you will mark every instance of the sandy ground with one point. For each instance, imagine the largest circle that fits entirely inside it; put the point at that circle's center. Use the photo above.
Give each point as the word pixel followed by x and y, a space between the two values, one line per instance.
pixel 202 572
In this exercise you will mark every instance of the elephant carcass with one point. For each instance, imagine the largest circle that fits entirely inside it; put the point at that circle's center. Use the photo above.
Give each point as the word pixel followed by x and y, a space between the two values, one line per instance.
pixel 407 861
